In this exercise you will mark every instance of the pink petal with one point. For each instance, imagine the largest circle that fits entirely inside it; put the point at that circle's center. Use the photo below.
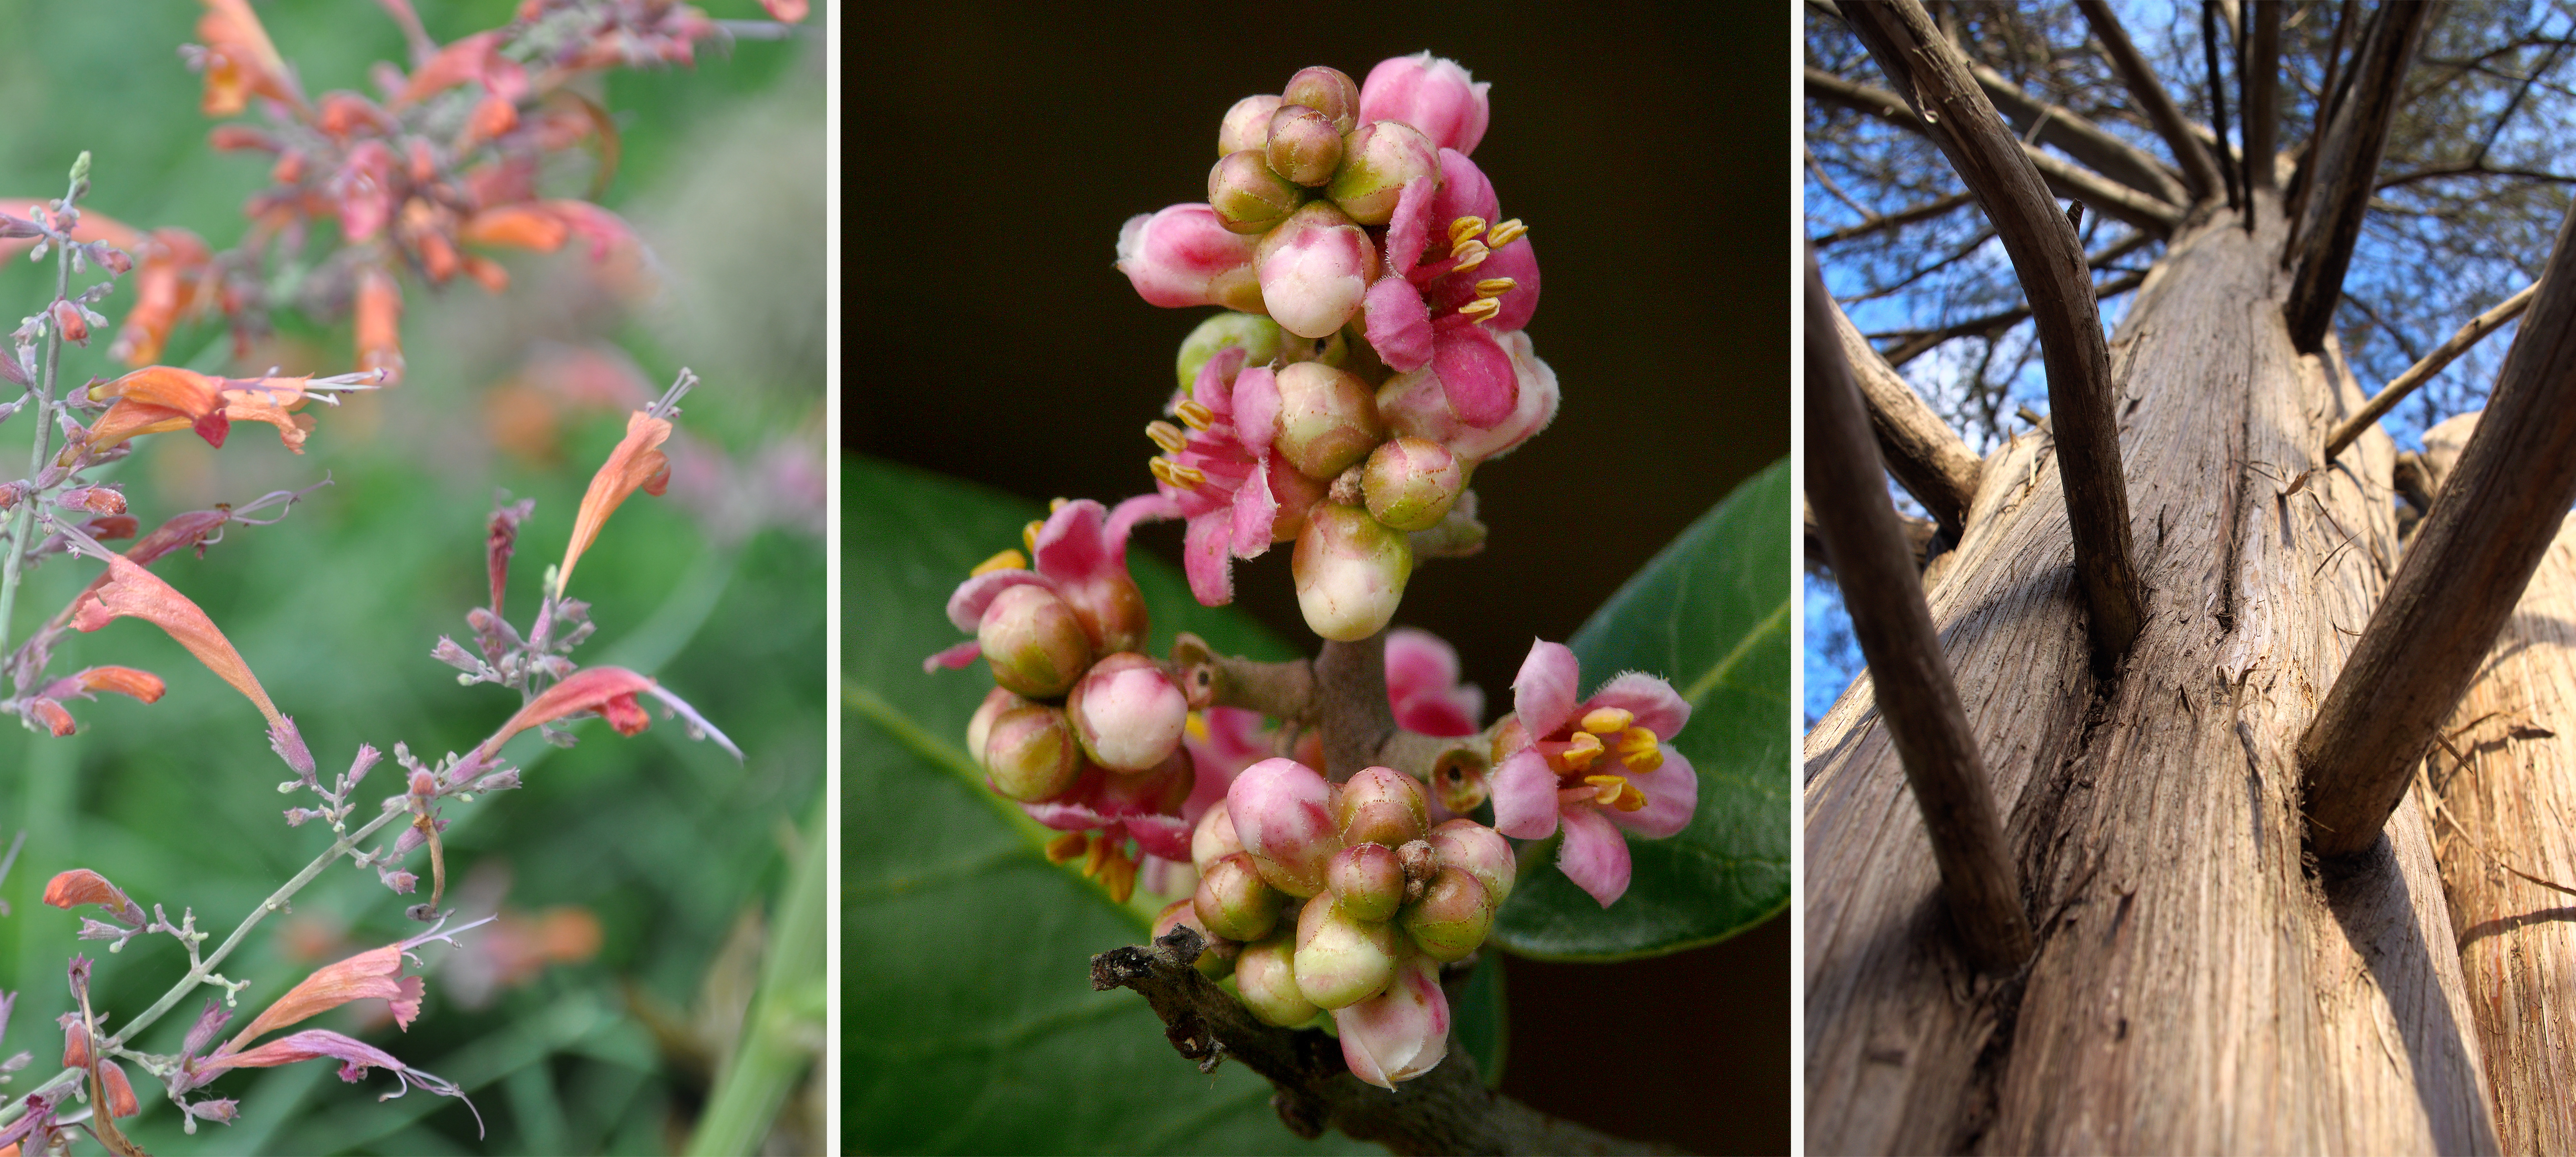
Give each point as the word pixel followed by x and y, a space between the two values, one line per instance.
pixel 1401 1033
pixel 1656 705
pixel 1593 854
pixel 1543 692
pixel 1071 547
pixel 1175 256
pixel 1672 793
pixel 1124 518
pixel 1476 376
pixel 1159 835
pixel 1445 716
pixel 1433 94
pixel 1520 263
pixel 1409 232
pixel 1213 387
pixel 1256 409
pixel 1419 661
pixel 966 605
pixel 1464 192
pixel 1525 796
pixel 1399 324
pixel 1209 563
pixel 955 657
pixel 1255 511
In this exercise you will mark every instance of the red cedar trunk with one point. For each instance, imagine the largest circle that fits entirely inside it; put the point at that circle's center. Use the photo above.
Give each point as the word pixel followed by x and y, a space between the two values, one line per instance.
pixel 2196 988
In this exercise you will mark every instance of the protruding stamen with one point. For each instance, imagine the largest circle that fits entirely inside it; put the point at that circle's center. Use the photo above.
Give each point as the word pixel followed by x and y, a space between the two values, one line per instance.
pixel 1174 474
pixel 1578 753
pixel 1463 228
pixel 1098 857
pixel 1118 875
pixel 1609 720
pixel 1006 560
pixel 1029 535
pixel 1506 233
pixel 1614 791
pixel 1167 436
pixel 1064 848
pixel 1495 286
pixel 1481 309
pixel 1056 504
pixel 1198 416
pixel 1469 254
pixel 1640 750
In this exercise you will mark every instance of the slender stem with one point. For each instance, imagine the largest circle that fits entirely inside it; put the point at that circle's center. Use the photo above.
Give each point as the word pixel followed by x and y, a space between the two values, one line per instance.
pixel 780 1034
pixel 24 523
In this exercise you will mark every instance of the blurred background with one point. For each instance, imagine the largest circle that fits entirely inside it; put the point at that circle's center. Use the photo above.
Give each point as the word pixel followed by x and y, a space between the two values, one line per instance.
pixel 638 880
pixel 995 150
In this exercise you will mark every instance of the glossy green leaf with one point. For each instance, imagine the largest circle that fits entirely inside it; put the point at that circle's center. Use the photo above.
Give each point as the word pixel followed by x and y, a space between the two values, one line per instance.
pixel 1710 614
pixel 968 1020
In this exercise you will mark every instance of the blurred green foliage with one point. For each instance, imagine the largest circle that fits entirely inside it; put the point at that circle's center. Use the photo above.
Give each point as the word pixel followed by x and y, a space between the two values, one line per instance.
pixel 667 843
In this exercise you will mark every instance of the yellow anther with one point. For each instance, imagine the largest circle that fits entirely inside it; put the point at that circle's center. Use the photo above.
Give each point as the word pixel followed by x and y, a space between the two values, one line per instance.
pixel 1185 477
pixel 1608 720
pixel 1065 847
pixel 1007 560
pixel 1463 228
pixel 1167 436
pixel 1056 504
pixel 1606 789
pixel 1640 750
pixel 1469 254
pixel 1481 309
pixel 1196 724
pixel 1029 535
pixel 1506 233
pixel 1119 876
pixel 1495 286
pixel 1097 858
pixel 1580 751
pixel 1198 417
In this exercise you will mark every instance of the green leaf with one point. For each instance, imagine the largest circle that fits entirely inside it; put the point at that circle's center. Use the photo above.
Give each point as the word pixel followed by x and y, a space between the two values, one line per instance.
pixel 968 1020
pixel 1710 614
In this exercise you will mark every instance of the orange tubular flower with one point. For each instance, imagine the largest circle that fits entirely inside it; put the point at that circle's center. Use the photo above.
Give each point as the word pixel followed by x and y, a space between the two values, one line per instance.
pixel 610 691
pixel 134 592
pixel 372 975
pixel 636 464
pixel 176 265
pixel 80 886
pixel 379 324
pixel 240 61
pixel 157 399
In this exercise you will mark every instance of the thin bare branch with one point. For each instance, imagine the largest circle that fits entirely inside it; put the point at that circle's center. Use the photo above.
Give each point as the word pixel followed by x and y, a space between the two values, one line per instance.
pixel 2263 94
pixel 2199 169
pixel 2476 550
pixel 1877 222
pixel 2346 168
pixel 2068 131
pixel 1916 698
pixel 2217 95
pixel 2433 363
pixel 1925 455
pixel 2471 169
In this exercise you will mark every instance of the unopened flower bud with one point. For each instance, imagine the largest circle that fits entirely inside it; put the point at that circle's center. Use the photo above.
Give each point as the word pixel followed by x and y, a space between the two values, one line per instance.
pixel 1329 91
pixel 1452 918
pixel 1218 959
pixel 1432 94
pixel 1479 851
pixel 1350 572
pixel 1412 482
pixel 69 322
pixel 1185 256
pixel 1266 975
pixel 1368 881
pixel 1281 811
pixel 1342 959
pixel 1128 714
pixel 1401 1034
pixel 1035 644
pixel 1247 196
pixel 1030 754
pixel 1213 839
pixel 1314 269
pixel 1257 336
pixel 1304 146
pixel 1246 125
pixel 1327 419
pixel 1377 159
pixel 996 701
pixel 1380 805
pixel 1233 902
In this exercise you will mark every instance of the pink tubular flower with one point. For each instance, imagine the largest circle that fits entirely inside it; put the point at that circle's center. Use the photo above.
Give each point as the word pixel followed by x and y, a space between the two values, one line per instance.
pixel 1599 765
pixel 1433 94
pixel 1185 256
pixel 1467 276
pixel 1082 558
pixel 1221 475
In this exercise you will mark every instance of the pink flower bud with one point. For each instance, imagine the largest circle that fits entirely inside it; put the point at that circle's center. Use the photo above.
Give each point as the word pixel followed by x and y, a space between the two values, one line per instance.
pixel 1247 196
pixel 1030 754
pixel 1128 713
pixel 1368 881
pixel 1314 269
pixel 1218 961
pixel 1432 94
pixel 1380 805
pixel 1327 419
pixel 1342 959
pixel 1213 839
pixel 1110 608
pixel 1281 811
pixel 1400 1035
pixel 1419 405
pixel 1377 160
pixel 1266 975
pixel 1184 256
pixel 996 701
pixel 1233 902
pixel 1257 336
pixel 1304 146
pixel 1246 125
pixel 1159 791
pixel 1452 917
pixel 1479 851
pixel 1035 644
pixel 1329 91
pixel 1412 482
pixel 1350 572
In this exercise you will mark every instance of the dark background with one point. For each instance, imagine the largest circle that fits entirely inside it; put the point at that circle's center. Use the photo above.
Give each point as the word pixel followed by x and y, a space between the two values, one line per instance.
pixel 990 155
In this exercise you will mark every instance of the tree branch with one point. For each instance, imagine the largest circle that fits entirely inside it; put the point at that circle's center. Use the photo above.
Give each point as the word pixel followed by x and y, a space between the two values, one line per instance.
pixel 1918 532
pixel 1916 697
pixel 1446 1110
pixel 2199 169
pixel 2470 560
pixel 2217 95
pixel 2337 79
pixel 2081 139
pixel 2470 169
pixel 2345 169
pixel 1925 455
pixel 2433 363
pixel 1875 222
pixel 2067 178
pixel 1921 342
pixel 1333 694
pixel 2048 259
pixel 2263 95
